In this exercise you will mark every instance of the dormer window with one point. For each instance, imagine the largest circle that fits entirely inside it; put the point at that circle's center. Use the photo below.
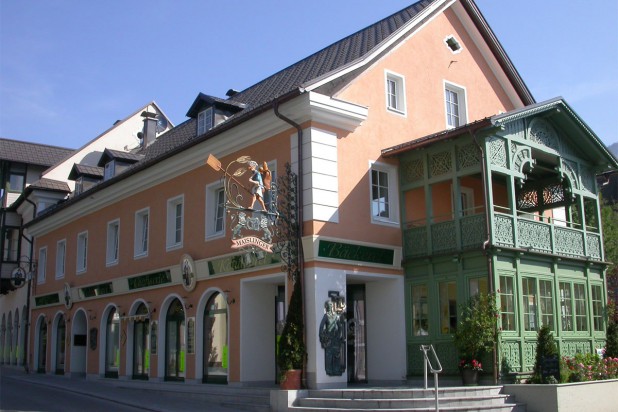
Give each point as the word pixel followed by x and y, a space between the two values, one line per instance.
pixel 204 121
pixel 110 168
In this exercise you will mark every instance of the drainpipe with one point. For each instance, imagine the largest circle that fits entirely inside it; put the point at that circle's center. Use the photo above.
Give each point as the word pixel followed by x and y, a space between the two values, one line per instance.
pixel 299 208
pixel 486 243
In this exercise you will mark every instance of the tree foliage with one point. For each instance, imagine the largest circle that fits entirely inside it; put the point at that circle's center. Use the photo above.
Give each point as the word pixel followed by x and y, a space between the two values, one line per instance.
pixel 609 217
pixel 545 348
pixel 291 353
pixel 478 328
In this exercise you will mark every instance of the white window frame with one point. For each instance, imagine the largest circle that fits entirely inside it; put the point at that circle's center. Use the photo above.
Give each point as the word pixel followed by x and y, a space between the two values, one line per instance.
pixel 202 126
pixel 141 240
pixel 212 191
pixel 400 92
pixel 61 254
pixel 82 252
pixel 172 222
pixel 462 103
pixel 113 242
pixel 393 194
pixel 42 266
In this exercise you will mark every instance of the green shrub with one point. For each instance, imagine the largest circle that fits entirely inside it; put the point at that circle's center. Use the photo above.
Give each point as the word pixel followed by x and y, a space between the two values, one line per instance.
pixel 545 348
pixel 611 346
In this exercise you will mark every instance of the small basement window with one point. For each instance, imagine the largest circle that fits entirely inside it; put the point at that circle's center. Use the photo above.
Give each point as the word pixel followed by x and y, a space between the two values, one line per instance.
pixel 453 44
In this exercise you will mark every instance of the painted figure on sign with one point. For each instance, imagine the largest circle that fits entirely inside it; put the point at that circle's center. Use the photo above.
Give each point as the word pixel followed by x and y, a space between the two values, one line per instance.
pixel 332 337
pixel 267 180
pixel 257 189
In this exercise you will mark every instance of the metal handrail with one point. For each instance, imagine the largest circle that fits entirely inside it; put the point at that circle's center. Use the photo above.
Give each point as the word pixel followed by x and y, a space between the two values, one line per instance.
pixel 435 371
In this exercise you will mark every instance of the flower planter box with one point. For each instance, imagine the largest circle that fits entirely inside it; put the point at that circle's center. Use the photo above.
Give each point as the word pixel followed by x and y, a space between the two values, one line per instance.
pixel 597 395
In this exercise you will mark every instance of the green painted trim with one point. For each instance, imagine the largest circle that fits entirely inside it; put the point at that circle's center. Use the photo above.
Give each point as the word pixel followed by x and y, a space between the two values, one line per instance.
pixel 96 290
pixel 47 299
pixel 359 253
pixel 235 263
pixel 151 279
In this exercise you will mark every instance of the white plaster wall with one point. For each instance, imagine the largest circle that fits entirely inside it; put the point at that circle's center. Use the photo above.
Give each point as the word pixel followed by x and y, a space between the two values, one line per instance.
pixel 386 336
pixel 257 339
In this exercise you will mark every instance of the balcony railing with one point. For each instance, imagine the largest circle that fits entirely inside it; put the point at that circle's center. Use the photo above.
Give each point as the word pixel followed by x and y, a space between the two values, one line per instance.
pixel 533 233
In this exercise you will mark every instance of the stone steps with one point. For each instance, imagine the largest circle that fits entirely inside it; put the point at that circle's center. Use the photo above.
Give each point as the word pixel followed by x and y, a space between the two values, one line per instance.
pixel 482 398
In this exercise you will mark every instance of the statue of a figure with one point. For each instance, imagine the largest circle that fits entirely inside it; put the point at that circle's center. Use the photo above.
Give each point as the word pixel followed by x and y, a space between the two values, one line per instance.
pixel 332 337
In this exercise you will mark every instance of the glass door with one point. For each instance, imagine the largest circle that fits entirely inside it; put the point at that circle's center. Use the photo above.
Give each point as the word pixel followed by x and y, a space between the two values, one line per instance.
pixel 175 345
pixel 279 324
pixel 141 337
pixel 216 348
pixel 60 346
pixel 42 347
pixel 357 338
pixel 112 345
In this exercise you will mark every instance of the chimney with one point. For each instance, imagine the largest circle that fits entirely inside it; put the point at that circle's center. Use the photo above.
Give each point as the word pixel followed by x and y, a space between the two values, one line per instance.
pixel 150 128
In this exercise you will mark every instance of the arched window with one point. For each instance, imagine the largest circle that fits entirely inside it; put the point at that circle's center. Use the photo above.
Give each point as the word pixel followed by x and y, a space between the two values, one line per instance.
pixel 141 343
pixel 215 340
pixel 175 344
pixel 112 344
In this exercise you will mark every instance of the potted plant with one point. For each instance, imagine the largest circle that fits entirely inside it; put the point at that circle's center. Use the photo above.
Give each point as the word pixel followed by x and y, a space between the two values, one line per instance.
pixel 476 333
pixel 291 353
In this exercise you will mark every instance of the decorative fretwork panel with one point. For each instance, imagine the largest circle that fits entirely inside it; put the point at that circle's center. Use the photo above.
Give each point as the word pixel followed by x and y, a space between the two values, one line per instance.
pixel 567 149
pixel 415 241
pixel 588 179
pixel 571 348
pixel 497 151
pixel 569 241
pixel 527 198
pixel 473 231
pixel 503 230
pixel 543 133
pixel 511 355
pixel 441 163
pixel 443 237
pixel 553 193
pixel 534 235
pixel 593 245
pixel 447 353
pixel 515 129
pixel 468 156
pixel 520 155
pixel 570 170
pixel 412 171
pixel 529 355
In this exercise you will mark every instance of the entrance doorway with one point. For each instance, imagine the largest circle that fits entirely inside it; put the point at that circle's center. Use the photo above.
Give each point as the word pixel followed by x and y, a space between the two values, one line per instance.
pixel 175 344
pixel 357 337
pixel 279 324
pixel 141 337
pixel 60 345
pixel 215 353
pixel 42 346
pixel 112 344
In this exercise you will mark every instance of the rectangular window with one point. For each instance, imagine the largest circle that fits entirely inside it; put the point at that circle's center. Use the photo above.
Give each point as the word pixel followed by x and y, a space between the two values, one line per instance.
pixel 42 265
pixel 61 253
pixel 384 205
pixel 597 307
pixel 82 252
pixel 420 310
pixel 113 239
pixel 581 314
pixel 174 222
pixel 110 168
pixel 566 311
pixel 448 307
pixel 215 210
pixel 455 103
pixel 546 302
pixel 17 178
pixel 478 285
pixel 10 252
pixel 529 303
pixel 204 121
pixel 140 246
pixel 395 93
pixel 507 303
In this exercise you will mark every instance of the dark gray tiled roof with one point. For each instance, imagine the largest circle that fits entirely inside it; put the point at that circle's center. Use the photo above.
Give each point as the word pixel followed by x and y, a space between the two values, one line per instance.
pixel 171 139
pixel 331 58
pixel 85 170
pixel 32 153
pixel 128 157
pixel 50 184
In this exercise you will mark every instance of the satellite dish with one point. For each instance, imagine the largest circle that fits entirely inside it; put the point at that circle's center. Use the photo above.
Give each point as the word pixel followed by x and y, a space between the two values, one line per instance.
pixel 18 277
pixel 161 123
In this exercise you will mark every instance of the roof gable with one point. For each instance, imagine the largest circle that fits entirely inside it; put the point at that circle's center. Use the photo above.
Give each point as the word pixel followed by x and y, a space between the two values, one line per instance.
pixel 31 153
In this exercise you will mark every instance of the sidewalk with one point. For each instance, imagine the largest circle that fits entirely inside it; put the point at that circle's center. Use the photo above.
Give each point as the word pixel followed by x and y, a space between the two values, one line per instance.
pixel 152 396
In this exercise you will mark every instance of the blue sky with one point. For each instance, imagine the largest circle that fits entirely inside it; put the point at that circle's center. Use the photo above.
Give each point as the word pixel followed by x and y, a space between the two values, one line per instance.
pixel 70 68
